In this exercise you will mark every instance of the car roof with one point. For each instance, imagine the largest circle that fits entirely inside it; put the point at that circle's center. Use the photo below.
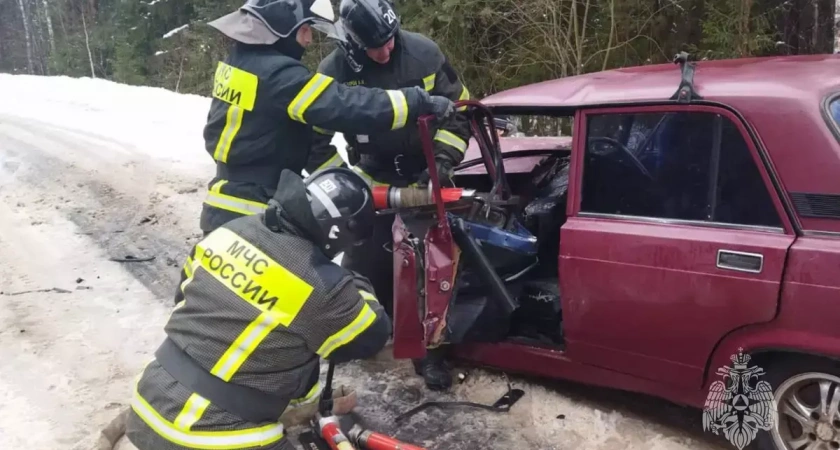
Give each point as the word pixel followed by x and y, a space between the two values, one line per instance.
pixel 731 81
pixel 781 99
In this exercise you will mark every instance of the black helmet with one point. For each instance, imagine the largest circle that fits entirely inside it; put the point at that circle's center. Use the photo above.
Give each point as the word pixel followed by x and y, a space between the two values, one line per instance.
pixel 264 22
pixel 369 23
pixel 342 204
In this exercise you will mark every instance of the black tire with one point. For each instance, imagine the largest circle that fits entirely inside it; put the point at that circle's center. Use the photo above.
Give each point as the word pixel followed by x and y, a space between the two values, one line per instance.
pixel 783 371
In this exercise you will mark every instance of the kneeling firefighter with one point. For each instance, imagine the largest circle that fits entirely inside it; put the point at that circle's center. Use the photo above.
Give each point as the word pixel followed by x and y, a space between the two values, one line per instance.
pixel 376 52
pixel 265 103
pixel 262 305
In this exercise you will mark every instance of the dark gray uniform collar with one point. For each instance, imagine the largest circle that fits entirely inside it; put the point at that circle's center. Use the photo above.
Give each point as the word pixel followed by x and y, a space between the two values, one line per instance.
pixel 294 214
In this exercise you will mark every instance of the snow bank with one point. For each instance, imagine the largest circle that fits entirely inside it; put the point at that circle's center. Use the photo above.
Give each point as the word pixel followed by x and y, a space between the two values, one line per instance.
pixel 154 122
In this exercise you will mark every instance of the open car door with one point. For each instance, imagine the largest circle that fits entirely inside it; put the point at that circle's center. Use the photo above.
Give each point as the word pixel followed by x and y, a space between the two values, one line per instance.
pixel 424 271
pixel 431 243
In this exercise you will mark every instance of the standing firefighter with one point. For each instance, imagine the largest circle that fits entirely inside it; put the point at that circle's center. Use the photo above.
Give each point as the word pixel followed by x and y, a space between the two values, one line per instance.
pixel 262 305
pixel 377 53
pixel 265 103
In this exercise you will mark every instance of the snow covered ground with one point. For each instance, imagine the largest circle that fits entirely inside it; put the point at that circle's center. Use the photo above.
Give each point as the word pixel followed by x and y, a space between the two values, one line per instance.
pixel 92 170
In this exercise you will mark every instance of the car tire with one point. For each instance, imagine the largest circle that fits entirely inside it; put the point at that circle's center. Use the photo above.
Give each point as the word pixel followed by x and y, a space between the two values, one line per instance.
pixel 802 380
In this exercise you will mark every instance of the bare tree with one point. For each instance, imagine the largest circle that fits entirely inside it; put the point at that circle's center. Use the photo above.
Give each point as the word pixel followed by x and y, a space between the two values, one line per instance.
pixel 87 44
pixel 28 36
pixel 49 24
pixel 837 27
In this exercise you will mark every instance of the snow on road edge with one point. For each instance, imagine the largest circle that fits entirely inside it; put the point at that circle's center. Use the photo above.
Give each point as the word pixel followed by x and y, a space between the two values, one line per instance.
pixel 155 122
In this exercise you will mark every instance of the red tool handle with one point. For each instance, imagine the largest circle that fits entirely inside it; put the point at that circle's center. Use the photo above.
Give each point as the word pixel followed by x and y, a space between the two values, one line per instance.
pixel 331 433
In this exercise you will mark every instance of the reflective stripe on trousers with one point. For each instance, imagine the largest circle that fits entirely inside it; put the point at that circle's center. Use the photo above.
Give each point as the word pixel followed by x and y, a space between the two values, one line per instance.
pixel 309 398
pixel 230 203
pixel 179 434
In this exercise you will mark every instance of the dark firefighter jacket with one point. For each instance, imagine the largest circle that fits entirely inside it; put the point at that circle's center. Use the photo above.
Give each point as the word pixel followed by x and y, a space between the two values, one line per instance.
pixel 396 156
pixel 260 122
pixel 258 309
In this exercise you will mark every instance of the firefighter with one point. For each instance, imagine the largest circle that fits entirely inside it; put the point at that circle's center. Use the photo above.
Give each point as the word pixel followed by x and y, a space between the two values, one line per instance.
pixel 262 305
pixel 375 52
pixel 265 103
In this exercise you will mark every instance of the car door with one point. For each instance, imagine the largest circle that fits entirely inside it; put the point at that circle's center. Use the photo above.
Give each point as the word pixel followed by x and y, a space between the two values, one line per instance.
pixel 675 238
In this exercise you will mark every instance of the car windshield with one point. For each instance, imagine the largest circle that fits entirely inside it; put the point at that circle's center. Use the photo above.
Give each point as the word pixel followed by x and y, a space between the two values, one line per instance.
pixel 534 126
pixel 834 109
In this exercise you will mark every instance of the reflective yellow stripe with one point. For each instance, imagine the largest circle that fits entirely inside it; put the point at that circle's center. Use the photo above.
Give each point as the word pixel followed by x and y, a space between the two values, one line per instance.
pixel 234 204
pixel 451 139
pixel 323 131
pixel 218 440
pixel 368 296
pixel 368 179
pixel 429 82
pixel 193 410
pixel 309 398
pixel 189 270
pixel 313 89
pixel 465 95
pixel 365 318
pixel 400 105
pixel 245 344
pixel 335 161
pixel 232 125
pixel 217 186
pixel 188 267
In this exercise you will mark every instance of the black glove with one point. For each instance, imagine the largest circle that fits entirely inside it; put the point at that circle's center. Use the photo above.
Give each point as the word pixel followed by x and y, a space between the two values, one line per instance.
pixel 441 107
pixel 444 171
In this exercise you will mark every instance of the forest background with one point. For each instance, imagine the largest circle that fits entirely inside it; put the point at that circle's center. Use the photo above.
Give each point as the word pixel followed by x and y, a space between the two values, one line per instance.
pixel 495 44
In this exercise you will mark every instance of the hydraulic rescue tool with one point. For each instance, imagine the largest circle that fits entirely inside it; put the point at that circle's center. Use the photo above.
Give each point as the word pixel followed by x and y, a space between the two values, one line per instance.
pixel 331 434
pixel 390 197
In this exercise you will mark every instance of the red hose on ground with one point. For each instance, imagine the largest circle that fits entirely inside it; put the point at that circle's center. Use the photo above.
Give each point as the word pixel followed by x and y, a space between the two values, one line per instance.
pixel 370 440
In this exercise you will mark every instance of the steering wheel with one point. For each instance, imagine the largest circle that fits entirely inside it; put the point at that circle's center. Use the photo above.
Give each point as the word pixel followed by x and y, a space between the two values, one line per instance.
pixel 638 164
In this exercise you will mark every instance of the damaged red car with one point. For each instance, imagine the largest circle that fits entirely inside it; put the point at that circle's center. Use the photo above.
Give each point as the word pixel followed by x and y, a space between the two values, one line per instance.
pixel 669 229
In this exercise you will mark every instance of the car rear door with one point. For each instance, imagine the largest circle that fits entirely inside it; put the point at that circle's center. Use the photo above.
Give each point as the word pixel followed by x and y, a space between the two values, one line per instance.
pixel 675 238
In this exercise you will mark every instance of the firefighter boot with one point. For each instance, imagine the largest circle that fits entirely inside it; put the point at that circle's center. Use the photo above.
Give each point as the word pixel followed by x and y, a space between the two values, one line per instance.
pixel 434 370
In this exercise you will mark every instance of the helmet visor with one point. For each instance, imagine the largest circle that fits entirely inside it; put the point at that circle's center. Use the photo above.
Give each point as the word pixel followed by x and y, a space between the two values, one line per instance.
pixel 332 30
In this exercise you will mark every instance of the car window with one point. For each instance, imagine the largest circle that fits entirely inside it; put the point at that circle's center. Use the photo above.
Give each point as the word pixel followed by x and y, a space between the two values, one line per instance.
pixel 834 109
pixel 686 165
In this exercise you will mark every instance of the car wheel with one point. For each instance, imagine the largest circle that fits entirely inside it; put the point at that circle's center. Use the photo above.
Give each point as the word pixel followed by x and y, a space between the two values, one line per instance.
pixel 807 399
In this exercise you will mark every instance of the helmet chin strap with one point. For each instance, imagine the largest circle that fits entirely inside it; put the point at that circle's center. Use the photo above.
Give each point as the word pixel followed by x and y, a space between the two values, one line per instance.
pixel 350 56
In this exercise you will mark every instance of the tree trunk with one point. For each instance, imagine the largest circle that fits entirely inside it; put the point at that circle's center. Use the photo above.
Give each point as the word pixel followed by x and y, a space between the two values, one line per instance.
pixel 837 26
pixel 180 74
pixel 49 24
pixel 25 18
pixel 815 32
pixel 87 44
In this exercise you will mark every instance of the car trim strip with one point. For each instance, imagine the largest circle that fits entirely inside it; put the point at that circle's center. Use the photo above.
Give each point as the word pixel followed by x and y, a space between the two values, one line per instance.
pixel 697 223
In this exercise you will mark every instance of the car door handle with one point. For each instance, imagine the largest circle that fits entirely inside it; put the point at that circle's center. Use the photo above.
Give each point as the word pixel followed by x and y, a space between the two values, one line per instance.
pixel 740 261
